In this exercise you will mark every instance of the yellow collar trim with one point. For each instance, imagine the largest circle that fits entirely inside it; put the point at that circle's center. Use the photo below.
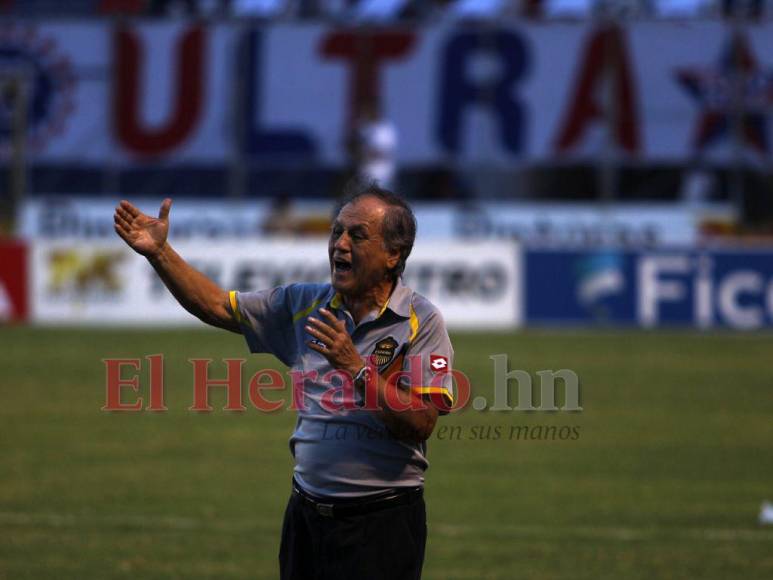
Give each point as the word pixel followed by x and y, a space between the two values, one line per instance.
pixel 384 307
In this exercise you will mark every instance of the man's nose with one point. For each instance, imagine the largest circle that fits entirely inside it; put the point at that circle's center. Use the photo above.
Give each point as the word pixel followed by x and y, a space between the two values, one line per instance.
pixel 343 242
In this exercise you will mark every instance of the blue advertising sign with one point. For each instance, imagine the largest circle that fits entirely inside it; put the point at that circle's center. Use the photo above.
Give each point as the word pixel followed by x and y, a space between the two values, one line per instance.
pixel 722 288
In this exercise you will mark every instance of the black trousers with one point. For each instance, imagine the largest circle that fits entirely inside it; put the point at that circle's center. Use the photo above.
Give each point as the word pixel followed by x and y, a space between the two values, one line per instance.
pixel 383 545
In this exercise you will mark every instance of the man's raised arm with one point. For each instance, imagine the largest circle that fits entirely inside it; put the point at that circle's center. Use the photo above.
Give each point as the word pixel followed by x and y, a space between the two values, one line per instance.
pixel 193 290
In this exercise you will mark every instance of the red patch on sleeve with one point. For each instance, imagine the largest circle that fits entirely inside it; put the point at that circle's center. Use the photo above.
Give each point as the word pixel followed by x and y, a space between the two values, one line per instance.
pixel 438 363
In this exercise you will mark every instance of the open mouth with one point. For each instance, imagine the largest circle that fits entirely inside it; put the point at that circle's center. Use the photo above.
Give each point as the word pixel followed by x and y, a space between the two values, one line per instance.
pixel 341 265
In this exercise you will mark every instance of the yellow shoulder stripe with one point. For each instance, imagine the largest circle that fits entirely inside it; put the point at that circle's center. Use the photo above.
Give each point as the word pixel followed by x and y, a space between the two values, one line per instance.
pixel 434 390
pixel 235 306
pixel 306 311
pixel 414 322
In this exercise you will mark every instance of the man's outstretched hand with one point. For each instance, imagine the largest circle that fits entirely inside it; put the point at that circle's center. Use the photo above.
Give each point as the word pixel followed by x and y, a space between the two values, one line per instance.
pixel 144 234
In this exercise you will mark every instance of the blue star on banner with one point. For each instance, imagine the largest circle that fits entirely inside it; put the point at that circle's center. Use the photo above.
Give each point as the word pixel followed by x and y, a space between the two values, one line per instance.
pixel 737 81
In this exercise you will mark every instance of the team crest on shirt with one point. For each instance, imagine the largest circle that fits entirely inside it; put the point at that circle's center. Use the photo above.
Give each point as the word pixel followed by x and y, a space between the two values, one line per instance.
pixel 384 351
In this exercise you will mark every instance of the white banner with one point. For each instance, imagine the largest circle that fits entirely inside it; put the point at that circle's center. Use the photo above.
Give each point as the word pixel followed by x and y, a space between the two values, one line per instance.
pixel 543 225
pixel 219 93
pixel 475 285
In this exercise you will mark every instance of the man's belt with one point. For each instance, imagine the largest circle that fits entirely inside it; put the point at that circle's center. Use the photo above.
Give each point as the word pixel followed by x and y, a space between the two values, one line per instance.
pixel 351 507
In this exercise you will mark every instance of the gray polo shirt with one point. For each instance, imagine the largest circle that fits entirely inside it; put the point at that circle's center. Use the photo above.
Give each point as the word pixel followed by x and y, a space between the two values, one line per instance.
pixel 348 452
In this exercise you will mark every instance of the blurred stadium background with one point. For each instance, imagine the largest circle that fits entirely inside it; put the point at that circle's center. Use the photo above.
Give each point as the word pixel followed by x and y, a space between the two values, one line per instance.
pixel 594 189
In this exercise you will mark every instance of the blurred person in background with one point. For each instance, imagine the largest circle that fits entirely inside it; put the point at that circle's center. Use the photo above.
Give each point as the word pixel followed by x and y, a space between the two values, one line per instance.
pixel 374 145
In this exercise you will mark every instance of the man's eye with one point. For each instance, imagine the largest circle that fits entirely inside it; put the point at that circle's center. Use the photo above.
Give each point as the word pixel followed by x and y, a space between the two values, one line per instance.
pixel 336 232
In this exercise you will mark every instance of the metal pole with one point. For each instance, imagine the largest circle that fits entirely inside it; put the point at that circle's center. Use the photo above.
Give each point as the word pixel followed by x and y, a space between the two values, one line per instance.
pixel 737 110
pixel 14 93
pixel 238 166
pixel 608 166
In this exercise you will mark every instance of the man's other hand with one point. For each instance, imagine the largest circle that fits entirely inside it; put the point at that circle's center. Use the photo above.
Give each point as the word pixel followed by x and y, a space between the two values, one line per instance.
pixel 334 343
pixel 144 234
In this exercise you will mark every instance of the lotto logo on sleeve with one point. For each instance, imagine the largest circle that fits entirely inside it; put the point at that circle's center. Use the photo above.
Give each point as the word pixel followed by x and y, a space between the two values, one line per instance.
pixel 438 363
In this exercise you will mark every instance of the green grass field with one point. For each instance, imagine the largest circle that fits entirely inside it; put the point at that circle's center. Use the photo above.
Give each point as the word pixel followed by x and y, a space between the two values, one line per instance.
pixel 674 457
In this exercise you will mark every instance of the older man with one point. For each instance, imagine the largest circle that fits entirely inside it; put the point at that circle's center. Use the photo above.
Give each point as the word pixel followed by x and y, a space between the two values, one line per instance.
pixel 356 510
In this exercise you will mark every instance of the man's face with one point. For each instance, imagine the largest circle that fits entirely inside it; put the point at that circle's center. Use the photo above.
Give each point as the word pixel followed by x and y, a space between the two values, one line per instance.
pixel 358 259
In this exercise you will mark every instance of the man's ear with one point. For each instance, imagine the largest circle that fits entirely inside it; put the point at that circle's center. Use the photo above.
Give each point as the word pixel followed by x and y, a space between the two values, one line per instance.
pixel 393 259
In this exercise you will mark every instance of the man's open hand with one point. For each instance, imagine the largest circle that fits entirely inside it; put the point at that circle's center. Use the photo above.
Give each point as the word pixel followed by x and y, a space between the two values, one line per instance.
pixel 338 347
pixel 144 234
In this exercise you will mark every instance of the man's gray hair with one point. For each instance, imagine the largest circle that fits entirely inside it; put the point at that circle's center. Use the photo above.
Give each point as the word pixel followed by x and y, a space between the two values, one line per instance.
pixel 399 225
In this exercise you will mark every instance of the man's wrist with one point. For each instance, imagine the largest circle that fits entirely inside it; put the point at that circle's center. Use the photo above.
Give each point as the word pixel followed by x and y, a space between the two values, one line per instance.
pixel 356 368
pixel 159 254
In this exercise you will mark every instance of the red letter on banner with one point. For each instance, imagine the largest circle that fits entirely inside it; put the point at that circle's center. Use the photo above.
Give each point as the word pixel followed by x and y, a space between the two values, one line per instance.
pixel 605 59
pixel 365 52
pixel 127 90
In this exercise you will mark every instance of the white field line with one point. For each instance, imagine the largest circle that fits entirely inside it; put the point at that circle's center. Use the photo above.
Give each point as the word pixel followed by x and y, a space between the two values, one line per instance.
pixel 141 522
pixel 621 533
pixel 546 532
